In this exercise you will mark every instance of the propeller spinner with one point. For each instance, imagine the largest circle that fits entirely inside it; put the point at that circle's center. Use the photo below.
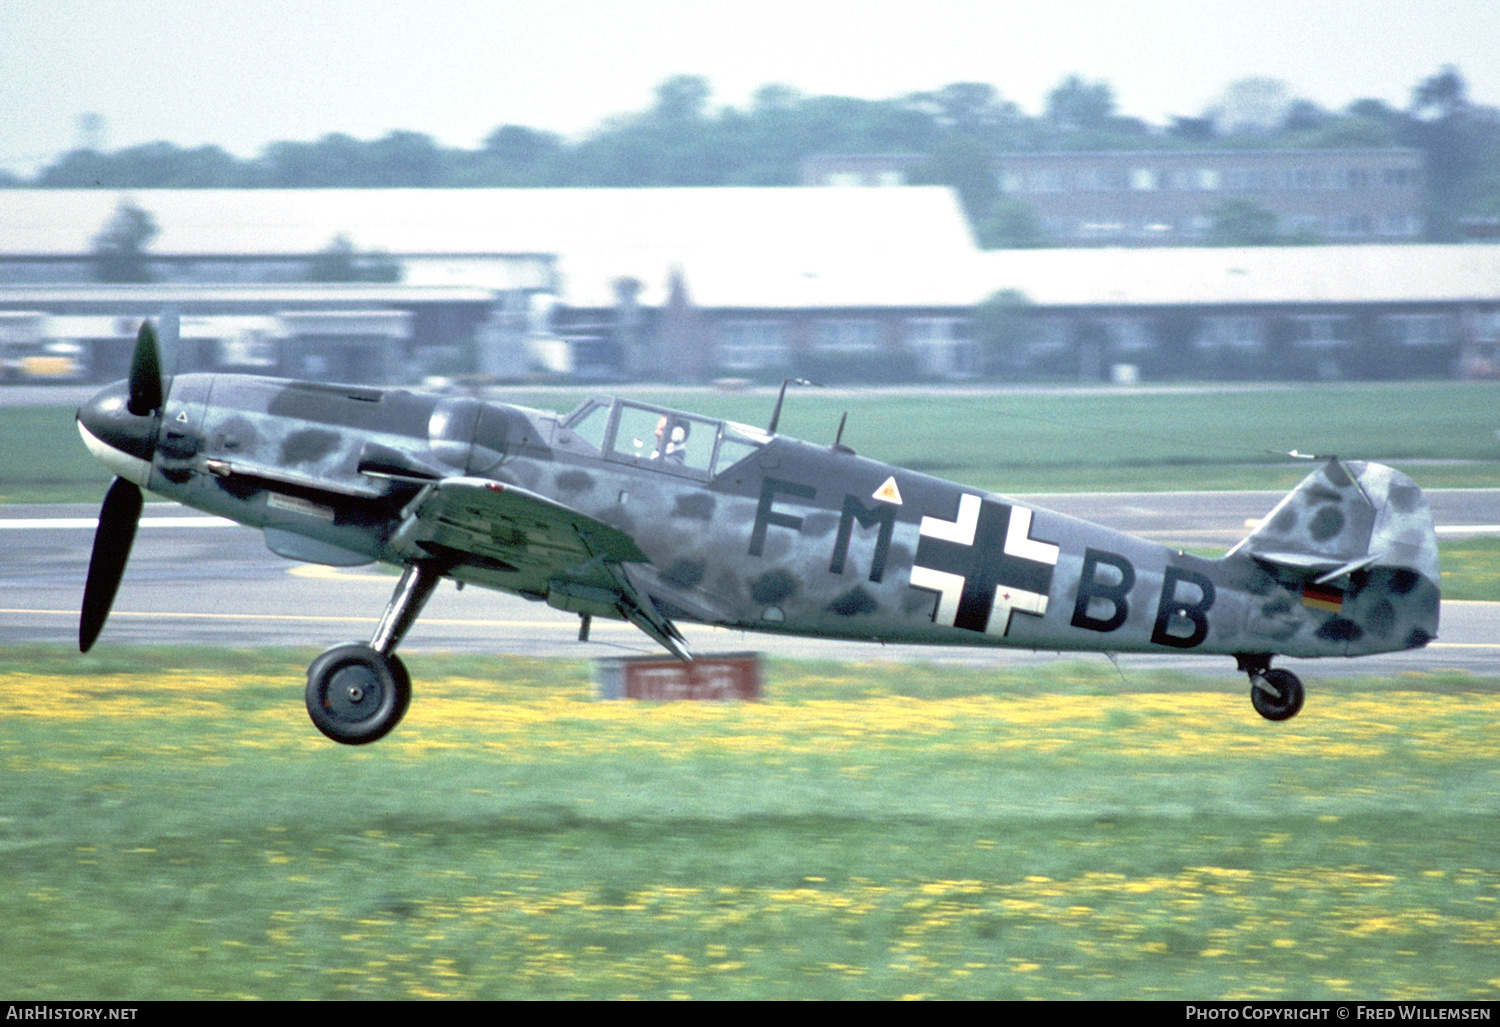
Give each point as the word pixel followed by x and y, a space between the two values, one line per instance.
pixel 119 425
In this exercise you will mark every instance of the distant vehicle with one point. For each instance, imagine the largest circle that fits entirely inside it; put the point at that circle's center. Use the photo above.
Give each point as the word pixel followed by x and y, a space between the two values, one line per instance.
pixel 56 361
pixel 627 510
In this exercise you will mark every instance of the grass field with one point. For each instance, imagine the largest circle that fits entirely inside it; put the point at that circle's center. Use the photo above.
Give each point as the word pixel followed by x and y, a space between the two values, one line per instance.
pixel 173 827
pixel 1444 434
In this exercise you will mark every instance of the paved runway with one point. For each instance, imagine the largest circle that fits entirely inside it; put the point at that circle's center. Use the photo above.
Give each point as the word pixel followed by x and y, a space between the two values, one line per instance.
pixel 200 581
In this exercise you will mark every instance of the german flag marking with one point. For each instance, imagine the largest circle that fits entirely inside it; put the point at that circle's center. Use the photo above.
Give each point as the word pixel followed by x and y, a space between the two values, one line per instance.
pixel 1322 597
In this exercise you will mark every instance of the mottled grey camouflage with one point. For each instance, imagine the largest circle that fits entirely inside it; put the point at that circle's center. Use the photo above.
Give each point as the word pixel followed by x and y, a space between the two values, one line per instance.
pixel 738 528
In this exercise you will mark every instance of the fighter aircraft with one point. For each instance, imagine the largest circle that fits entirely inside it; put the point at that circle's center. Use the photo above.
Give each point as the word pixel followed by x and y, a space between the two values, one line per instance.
pixel 655 516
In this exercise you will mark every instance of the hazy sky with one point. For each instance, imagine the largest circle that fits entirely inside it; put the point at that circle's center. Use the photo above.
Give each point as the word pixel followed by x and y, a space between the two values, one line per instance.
pixel 242 74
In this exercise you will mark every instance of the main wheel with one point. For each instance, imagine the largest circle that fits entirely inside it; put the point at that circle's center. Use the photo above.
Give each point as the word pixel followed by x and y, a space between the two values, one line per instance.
pixel 1281 696
pixel 355 695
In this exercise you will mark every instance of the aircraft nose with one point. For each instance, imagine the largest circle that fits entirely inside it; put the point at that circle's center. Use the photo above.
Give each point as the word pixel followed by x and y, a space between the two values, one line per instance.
pixel 122 441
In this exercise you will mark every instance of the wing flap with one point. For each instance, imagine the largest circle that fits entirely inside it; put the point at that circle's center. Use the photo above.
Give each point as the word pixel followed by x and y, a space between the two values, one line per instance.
pixel 511 523
pixel 525 542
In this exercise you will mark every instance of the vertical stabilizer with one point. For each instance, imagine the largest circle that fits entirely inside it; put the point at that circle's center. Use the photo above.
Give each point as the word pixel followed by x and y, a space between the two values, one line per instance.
pixel 1356 541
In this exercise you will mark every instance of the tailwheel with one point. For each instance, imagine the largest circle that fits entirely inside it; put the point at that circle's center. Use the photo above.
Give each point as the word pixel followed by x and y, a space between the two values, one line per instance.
pixel 355 694
pixel 1276 694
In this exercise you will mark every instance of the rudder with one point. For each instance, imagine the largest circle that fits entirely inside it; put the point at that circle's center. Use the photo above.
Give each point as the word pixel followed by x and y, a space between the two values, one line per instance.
pixel 1357 540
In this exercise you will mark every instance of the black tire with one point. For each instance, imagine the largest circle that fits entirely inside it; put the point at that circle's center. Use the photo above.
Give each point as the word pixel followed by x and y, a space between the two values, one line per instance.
pixel 355 695
pixel 1273 707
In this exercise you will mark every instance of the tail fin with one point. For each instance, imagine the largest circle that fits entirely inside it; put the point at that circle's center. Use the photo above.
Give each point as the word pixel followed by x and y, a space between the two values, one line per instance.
pixel 1358 538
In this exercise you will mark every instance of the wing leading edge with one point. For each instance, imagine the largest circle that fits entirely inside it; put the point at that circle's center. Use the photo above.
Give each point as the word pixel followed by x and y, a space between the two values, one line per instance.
pixel 507 537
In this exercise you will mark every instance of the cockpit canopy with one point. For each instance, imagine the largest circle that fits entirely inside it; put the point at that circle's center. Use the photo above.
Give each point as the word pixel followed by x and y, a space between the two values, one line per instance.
pixel 659 439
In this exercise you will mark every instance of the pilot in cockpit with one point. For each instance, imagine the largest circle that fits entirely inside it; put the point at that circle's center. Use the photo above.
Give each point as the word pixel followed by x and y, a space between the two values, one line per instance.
pixel 671 440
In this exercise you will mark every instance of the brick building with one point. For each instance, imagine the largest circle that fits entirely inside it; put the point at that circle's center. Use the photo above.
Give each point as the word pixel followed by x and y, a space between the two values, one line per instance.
pixel 1169 197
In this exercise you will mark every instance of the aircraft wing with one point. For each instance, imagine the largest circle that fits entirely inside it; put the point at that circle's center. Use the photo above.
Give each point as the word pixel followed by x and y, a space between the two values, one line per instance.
pixel 509 537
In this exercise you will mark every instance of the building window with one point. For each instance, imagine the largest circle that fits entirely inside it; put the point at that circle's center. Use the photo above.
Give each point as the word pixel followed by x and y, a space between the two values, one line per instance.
pixel 1231 333
pixel 752 345
pixel 1144 179
pixel 1050 335
pixel 1129 335
pixel 1350 225
pixel 1049 180
pixel 1246 179
pixel 1100 229
pixel 1011 181
pixel 1303 224
pixel 1398 225
pixel 1421 329
pixel 1320 330
pixel 940 351
pixel 1356 178
pixel 1096 180
pixel 846 336
pixel 1304 178
pixel 1487 327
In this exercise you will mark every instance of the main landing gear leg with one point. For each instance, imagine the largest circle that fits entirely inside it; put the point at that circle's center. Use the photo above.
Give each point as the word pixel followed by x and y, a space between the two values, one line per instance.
pixel 1275 694
pixel 357 693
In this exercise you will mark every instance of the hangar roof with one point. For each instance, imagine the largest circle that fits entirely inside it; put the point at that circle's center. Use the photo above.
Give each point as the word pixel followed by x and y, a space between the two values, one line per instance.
pixel 781 239
pixel 1235 276
pixel 739 248
pixel 1104 279
pixel 252 294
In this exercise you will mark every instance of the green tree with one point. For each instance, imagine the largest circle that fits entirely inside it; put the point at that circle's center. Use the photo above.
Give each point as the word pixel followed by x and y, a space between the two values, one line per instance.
pixel 682 99
pixel 966 165
pixel 1251 106
pixel 1238 222
pixel 79 169
pixel 339 262
pixel 972 108
pixel 1460 143
pixel 1011 224
pixel 120 249
pixel 404 160
pixel 335 161
pixel 1442 95
pixel 1303 116
pixel 1075 105
pixel 1002 328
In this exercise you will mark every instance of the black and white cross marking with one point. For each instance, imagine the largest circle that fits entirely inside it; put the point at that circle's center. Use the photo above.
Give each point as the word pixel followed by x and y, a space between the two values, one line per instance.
pixel 979 586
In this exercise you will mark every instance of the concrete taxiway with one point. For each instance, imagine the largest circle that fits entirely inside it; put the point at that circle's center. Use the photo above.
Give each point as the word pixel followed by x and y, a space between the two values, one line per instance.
pixel 196 580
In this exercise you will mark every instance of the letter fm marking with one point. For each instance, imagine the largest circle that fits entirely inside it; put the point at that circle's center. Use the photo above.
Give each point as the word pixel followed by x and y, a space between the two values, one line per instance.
pixel 980 587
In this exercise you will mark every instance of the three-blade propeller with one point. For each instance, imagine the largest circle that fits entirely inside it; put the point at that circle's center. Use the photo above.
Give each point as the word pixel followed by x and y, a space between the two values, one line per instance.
pixel 121 512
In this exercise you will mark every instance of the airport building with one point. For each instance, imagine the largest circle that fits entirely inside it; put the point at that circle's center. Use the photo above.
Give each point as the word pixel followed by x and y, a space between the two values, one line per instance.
pixel 1170 197
pixel 1265 312
pixel 695 285
pixel 496 283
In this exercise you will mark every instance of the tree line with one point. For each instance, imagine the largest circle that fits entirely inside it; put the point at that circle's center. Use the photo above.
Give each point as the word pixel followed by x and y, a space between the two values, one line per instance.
pixel 682 139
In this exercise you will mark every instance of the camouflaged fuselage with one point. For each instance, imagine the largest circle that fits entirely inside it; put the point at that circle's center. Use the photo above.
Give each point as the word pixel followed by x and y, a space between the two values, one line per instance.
pixel 768 533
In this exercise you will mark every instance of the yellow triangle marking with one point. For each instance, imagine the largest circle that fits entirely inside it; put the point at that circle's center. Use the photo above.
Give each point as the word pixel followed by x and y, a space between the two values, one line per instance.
pixel 889 493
